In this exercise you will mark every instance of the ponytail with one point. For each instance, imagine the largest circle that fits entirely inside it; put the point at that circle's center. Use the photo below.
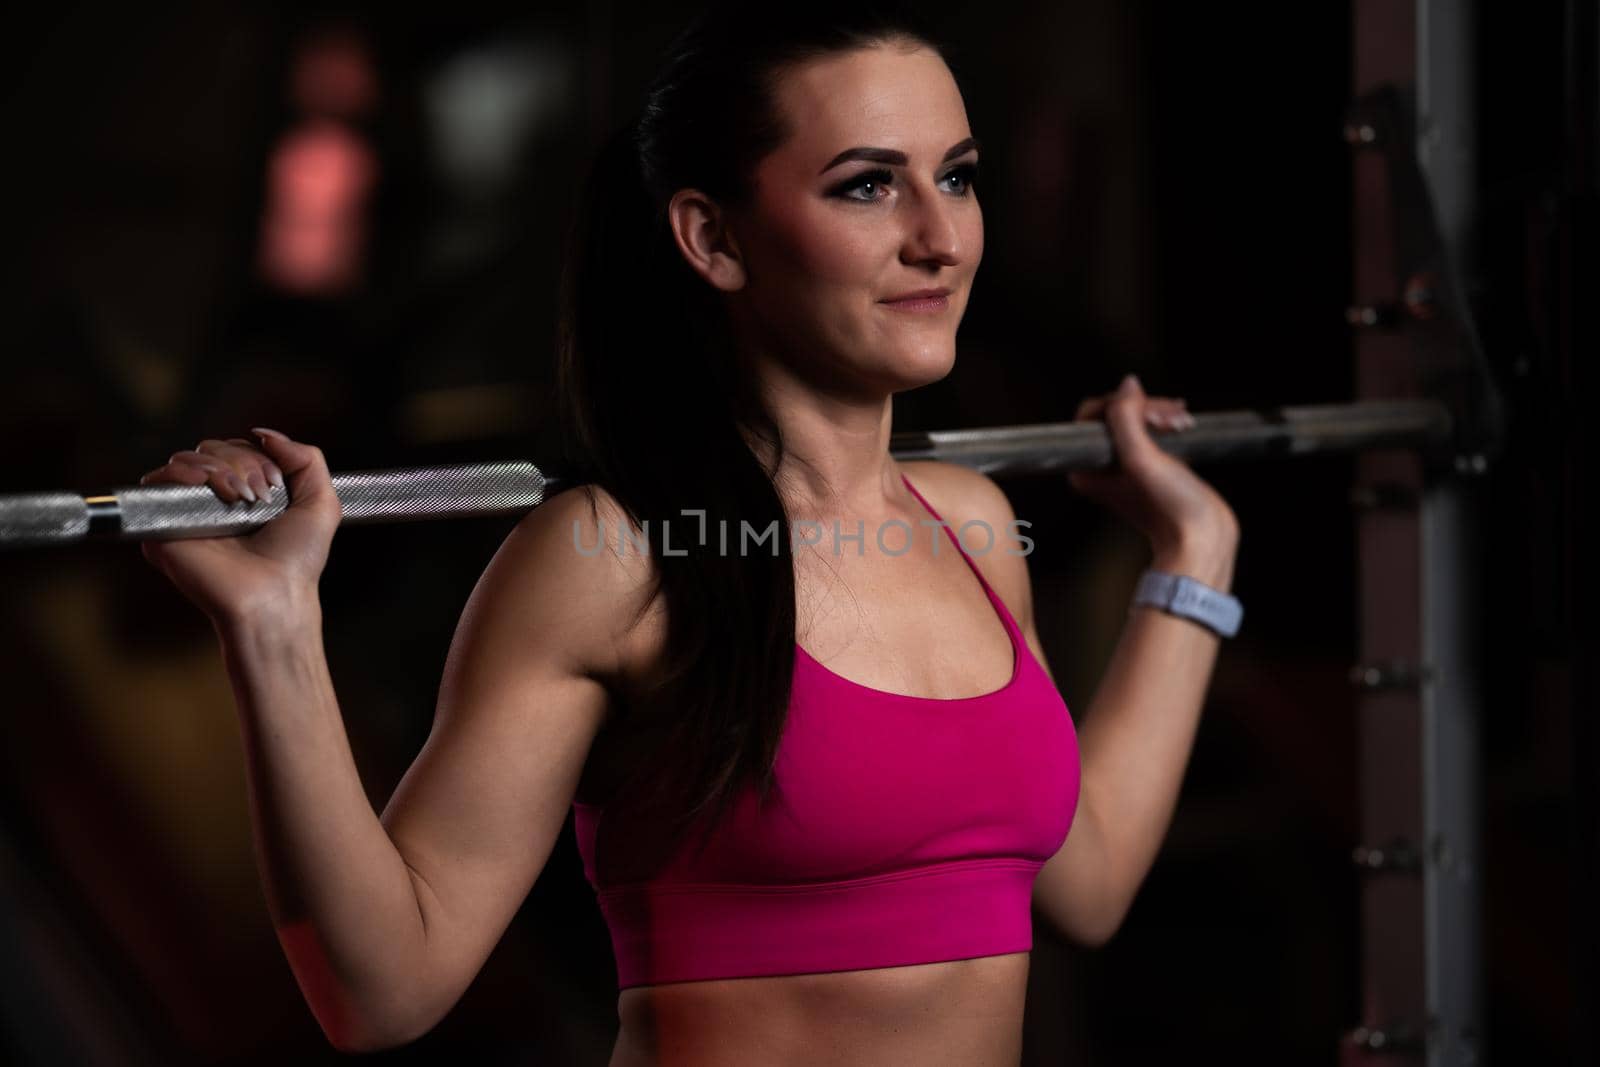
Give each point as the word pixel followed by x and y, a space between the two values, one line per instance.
pixel 658 410
pixel 652 408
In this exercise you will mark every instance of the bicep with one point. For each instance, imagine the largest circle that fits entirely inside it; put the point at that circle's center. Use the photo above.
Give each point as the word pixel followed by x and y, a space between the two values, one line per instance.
pixel 1071 888
pixel 479 810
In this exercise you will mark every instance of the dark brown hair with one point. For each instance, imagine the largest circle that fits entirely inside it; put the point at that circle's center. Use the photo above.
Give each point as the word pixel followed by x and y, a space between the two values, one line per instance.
pixel 658 409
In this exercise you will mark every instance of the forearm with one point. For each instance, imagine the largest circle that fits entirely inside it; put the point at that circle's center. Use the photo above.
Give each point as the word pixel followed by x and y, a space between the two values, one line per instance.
pixel 339 892
pixel 1140 726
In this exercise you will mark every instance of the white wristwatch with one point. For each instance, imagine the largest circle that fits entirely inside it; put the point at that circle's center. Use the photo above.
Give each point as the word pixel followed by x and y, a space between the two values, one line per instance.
pixel 1178 594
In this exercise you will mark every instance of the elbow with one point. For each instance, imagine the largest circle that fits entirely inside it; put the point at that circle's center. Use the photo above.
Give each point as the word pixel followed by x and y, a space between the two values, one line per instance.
pixel 1094 927
pixel 1088 928
pixel 1098 932
pixel 355 1026
pixel 361 1043
pixel 354 1041
pixel 370 1014
pixel 360 1037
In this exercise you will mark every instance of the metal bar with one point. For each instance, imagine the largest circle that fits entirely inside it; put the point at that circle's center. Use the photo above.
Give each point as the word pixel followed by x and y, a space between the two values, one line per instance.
pixel 167 512
pixel 164 512
pixel 1414 214
pixel 1452 560
pixel 1452 770
pixel 1392 1023
pixel 1224 435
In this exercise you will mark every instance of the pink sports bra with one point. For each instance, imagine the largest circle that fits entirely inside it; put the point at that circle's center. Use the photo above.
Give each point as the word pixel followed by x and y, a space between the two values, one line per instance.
pixel 904 830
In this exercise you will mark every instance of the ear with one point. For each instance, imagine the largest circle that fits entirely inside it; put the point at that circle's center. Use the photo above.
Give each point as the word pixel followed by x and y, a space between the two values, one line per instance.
pixel 700 226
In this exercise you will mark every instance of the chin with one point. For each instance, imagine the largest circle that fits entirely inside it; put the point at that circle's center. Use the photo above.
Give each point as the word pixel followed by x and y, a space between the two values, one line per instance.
pixel 924 366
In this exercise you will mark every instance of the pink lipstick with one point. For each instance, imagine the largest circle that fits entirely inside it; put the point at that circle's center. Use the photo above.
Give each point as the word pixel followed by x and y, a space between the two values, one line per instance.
pixel 920 300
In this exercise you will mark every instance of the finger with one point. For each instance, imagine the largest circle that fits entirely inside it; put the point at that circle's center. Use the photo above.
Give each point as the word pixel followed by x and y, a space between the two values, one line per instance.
pixel 1125 421
pixel 226 479
pixel 1166 413
pixel 1090 408
pixel 216 446
pixel 203 460
pixel 304 466
pixel 1160 412
pixel 221 478
pixel 188 468
pixel 236 451
pixel 255 470
pixel 184 474
pixel 227 484
pixel 270 472
pixel 1094 407
pixel 264 472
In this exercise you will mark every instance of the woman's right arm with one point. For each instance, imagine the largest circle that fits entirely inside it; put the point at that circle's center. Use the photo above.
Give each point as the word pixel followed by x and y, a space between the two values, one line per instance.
pixel 386 921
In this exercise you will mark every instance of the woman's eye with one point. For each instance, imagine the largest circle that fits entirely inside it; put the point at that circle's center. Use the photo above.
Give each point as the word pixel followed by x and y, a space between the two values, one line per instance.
pixel 966 177
pixel 864 186
pixel 869 181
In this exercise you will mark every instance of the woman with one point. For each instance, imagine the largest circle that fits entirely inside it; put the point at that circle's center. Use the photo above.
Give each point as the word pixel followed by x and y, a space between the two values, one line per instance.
pixel 879 780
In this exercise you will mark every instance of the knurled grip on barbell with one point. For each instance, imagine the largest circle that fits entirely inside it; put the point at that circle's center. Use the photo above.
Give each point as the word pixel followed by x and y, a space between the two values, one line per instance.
pixel 165 512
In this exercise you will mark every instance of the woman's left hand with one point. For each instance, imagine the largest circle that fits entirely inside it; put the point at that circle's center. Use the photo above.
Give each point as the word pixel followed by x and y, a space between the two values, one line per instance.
pixel 1154 490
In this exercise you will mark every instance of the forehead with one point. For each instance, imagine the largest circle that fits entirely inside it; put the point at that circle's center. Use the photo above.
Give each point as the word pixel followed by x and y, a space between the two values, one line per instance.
pixel 886 96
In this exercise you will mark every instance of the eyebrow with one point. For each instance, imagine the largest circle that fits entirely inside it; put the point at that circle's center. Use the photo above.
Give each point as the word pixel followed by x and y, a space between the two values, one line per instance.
pixel 894 157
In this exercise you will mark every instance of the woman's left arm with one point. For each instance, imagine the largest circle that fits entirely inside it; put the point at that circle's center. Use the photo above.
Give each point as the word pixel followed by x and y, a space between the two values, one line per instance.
pixel 1139 728
pixel 1134 745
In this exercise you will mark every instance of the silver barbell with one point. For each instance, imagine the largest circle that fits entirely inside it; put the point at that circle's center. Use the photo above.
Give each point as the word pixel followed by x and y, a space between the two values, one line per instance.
pixel 166 512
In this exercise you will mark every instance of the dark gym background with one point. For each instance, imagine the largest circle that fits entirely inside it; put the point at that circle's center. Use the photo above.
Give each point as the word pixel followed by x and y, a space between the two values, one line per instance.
pixel 1165 191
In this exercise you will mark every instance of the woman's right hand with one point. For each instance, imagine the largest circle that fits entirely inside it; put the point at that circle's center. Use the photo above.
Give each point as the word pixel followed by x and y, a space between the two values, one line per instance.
pixel 278 565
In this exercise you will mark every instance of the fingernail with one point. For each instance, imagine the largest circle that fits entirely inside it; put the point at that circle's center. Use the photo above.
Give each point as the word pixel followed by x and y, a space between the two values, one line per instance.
pixel 1129 381
pixel 269 432
pixel 244 489
pixel 275 476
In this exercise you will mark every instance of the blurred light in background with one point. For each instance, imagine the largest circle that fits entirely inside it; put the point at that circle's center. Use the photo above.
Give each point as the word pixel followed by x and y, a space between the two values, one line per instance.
pixel 321 173
pixel 482 108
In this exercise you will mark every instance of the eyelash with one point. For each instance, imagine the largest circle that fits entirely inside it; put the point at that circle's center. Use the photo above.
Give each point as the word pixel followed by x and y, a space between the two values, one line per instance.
pixel 967 172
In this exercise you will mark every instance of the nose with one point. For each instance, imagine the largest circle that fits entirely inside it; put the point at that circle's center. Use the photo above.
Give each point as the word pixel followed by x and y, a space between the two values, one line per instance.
pixel 932 236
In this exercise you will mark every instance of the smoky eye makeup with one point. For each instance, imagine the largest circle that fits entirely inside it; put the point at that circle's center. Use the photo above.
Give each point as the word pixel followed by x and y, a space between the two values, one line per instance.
pixel 967 172
pixel 877 177
pixel 845 190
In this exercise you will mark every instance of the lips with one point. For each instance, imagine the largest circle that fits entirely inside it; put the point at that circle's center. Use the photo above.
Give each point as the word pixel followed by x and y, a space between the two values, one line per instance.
pixel 920 294
pixel 920 300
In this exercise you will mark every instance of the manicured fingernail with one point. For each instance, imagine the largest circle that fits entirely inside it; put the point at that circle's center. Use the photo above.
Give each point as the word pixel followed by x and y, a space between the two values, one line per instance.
pixel 245 490
pixel 275 476
pixel 269 432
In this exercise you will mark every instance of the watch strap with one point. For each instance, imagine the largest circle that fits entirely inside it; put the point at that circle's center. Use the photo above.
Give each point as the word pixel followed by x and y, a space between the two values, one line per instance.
pixel 1181 595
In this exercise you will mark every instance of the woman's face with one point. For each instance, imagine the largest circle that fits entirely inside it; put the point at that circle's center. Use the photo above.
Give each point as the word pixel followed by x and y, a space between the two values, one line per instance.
pixel 869 199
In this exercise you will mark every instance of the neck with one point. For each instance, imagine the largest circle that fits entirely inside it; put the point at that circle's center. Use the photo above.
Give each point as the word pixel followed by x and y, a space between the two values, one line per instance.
pixel 836 460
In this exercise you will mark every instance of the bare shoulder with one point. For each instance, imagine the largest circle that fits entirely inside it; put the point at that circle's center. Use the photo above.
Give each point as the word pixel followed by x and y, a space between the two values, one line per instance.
pixel 559 575
pixel 970 492
pixel 962 495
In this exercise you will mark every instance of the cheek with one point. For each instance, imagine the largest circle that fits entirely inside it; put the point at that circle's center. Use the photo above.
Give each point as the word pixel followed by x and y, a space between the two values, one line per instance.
pixel 819 250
